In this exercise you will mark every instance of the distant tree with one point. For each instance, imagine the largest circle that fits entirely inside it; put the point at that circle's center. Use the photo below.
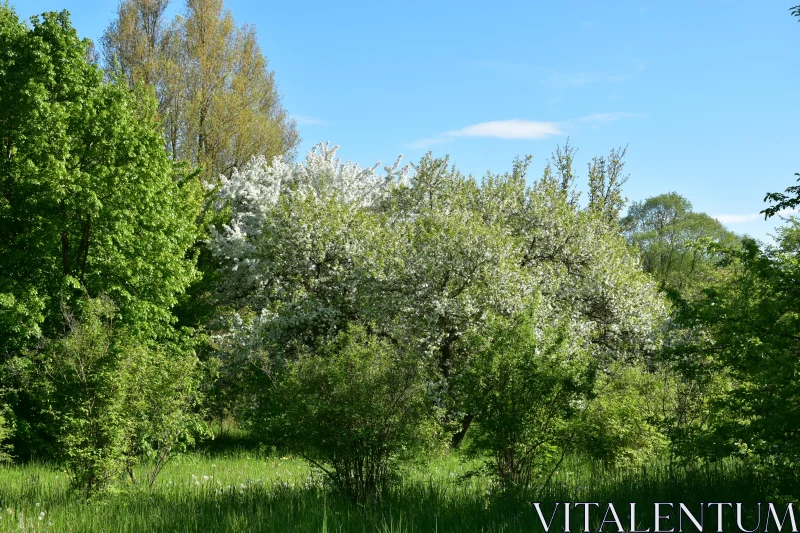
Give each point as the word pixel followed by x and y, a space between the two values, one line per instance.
pixel 673 241
pixel 219 103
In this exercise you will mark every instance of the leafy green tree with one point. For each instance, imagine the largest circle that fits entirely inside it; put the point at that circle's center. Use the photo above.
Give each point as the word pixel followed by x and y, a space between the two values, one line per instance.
pixel 90 199
pixel 683 251
pixel 90 203
pixel 673 242
pixel 748 326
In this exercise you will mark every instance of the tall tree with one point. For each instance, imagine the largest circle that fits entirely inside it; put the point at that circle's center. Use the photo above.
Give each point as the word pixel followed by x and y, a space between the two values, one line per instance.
pixel 219 103
pixel 90 202
pixel 749 326
pixel 79 153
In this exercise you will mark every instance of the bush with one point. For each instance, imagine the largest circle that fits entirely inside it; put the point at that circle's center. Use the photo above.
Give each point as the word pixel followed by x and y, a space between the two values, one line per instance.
pixel 620 424
pixel 111 399
pixel 354 408
pixel 162 401
pixel 526 380
pixel 5 434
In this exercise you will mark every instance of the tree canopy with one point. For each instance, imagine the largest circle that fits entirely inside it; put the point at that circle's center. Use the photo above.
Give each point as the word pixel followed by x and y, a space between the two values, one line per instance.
pixel 423 257
pixel 674 240
pixel 219 103
pixel 90 201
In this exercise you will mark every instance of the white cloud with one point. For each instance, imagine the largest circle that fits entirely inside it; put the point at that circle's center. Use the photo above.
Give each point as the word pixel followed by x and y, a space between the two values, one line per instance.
pixel 752 217
pixel 517 129
pixel 509 129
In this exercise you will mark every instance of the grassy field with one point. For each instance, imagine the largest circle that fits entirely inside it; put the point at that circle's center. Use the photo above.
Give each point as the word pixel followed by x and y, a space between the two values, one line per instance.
pixel 244 490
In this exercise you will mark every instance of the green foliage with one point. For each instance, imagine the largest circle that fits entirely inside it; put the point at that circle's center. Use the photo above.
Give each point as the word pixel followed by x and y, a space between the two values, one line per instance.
pixel 6 431
pixel 90 203
pixel 748 325
pixel 78 156
pixel 111 400
pixel 79 381
pixel 163 400
pixel 354 407
pixel 620 425
pixel 526 379
pixel 673 241
pixel 790 198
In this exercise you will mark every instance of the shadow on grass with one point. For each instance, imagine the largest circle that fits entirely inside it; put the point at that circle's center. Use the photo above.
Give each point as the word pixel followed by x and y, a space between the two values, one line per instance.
pixel 229 440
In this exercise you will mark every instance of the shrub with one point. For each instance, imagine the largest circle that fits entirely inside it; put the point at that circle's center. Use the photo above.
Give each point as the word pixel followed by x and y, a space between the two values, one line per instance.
pixel 112 399
pixel 162 401
pixel 354 408
pixel 525 381
pixel 620 424
pixel 6 431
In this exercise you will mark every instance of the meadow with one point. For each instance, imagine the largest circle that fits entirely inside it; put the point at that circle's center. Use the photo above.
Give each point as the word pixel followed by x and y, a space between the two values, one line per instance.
pixel 242 488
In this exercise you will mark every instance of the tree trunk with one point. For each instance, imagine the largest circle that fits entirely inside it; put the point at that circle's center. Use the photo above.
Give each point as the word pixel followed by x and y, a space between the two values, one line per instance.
pixel 459 436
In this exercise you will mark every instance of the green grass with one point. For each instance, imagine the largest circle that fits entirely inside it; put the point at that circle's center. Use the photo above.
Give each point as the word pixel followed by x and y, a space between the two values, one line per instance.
pixel 241 490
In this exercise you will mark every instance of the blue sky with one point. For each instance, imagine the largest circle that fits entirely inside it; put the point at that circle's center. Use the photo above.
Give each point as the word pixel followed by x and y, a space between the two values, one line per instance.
pixel 702 93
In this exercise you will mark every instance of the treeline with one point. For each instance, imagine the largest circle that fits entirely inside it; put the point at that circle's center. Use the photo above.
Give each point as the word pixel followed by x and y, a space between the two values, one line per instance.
pixel 164 262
